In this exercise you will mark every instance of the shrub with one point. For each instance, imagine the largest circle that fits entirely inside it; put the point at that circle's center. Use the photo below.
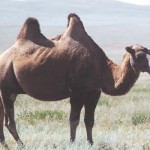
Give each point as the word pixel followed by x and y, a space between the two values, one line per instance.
pixel 141 118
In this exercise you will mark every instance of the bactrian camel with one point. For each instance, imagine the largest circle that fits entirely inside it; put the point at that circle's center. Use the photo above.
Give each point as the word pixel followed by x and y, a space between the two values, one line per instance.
pixel 70 65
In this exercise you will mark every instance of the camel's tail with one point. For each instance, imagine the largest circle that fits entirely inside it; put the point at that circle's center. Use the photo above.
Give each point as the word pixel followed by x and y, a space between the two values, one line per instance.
pixel 31 31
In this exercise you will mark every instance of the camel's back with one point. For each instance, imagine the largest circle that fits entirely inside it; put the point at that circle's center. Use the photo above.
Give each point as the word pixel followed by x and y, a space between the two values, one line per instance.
pixel 41 71
pixel 47 69
pixel 69 64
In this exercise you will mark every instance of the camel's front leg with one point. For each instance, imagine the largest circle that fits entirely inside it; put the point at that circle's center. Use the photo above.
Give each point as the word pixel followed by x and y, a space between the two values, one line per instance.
pixel 76 106
pixel 90 105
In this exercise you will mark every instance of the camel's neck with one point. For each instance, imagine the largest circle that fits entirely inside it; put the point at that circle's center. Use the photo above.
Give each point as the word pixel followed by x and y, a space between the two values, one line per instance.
pixel 118 79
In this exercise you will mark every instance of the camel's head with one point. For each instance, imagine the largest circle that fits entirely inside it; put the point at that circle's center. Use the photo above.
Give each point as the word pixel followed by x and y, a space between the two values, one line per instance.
pixel 138 58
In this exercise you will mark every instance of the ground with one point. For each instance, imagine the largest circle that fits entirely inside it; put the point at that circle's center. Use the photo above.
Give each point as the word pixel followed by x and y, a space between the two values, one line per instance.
pixel 121 123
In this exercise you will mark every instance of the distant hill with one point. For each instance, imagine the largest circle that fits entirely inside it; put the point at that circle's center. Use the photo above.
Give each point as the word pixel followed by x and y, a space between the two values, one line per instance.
pixel 112 24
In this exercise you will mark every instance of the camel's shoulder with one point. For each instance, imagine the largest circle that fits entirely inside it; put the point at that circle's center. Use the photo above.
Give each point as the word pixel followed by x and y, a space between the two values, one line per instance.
pixel 31 31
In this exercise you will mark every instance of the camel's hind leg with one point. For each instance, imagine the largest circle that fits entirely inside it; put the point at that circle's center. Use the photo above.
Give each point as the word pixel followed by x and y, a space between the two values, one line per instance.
pixel 8 103
pixel 90 103
pixel 2 138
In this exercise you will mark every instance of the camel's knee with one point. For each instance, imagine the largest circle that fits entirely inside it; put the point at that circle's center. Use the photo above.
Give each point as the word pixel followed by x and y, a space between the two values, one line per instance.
pixel 75 113
pixel 9 121
pixel 11 126
pixel 1 118
pixel 74 120
pixel 1 112
pixel 74 116
pixel 89 122
pixel 89 117
pixel 74 123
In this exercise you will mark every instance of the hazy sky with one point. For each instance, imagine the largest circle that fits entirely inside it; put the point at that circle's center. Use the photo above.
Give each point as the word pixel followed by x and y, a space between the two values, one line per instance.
pixel 137 2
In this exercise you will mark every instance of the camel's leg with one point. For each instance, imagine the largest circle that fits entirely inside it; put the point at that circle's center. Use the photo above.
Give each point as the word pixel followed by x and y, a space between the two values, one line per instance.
pixel 8 103
pixel 2 138
pixel 76 106
pixel 90 103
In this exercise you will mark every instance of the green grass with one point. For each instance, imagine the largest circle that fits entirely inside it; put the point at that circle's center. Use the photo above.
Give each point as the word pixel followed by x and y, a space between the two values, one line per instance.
pixel 104 101
pixel 141 118
pixel 33 117
pixel 146 146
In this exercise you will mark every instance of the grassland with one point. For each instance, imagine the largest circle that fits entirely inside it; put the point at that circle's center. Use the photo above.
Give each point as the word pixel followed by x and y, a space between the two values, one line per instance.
pixel 121 123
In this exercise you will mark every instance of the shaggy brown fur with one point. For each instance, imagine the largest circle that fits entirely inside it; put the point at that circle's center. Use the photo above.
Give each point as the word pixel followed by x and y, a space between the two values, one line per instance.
pixel 31 31
pixel 71 65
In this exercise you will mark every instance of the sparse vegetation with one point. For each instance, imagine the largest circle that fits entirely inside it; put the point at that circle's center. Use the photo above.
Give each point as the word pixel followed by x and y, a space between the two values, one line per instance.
pixel 33 117
pixel 141 118
pixel 146 146
pixel 121 123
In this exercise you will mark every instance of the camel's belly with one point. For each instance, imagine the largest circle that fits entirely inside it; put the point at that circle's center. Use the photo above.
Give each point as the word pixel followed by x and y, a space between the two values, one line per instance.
pixel 44 82
pixel 44 89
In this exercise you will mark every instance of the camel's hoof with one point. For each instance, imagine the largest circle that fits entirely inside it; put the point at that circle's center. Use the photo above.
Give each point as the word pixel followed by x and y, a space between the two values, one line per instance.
pixel 20 144
pixel 90 142
pixel 72 141
pixel 5 146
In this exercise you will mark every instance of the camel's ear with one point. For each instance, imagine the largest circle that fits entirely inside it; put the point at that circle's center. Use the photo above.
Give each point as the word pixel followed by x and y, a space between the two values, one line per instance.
pixel 130 50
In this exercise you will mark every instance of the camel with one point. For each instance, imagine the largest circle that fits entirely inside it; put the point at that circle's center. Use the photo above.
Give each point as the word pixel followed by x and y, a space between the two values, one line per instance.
pixel 71 66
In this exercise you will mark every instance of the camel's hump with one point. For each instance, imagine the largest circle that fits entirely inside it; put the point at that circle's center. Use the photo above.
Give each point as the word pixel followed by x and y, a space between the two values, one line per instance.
pixel 30 28
pixel 74 19
pixel 75 27
pixel 73 15
pixel 31 31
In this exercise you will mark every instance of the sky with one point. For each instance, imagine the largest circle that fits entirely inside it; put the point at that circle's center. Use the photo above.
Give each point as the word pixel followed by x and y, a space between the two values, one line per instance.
pixel 137 2
pixel 115 23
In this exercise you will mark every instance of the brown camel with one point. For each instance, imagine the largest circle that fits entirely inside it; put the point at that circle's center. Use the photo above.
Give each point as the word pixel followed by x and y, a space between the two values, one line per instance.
pixel 71 65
